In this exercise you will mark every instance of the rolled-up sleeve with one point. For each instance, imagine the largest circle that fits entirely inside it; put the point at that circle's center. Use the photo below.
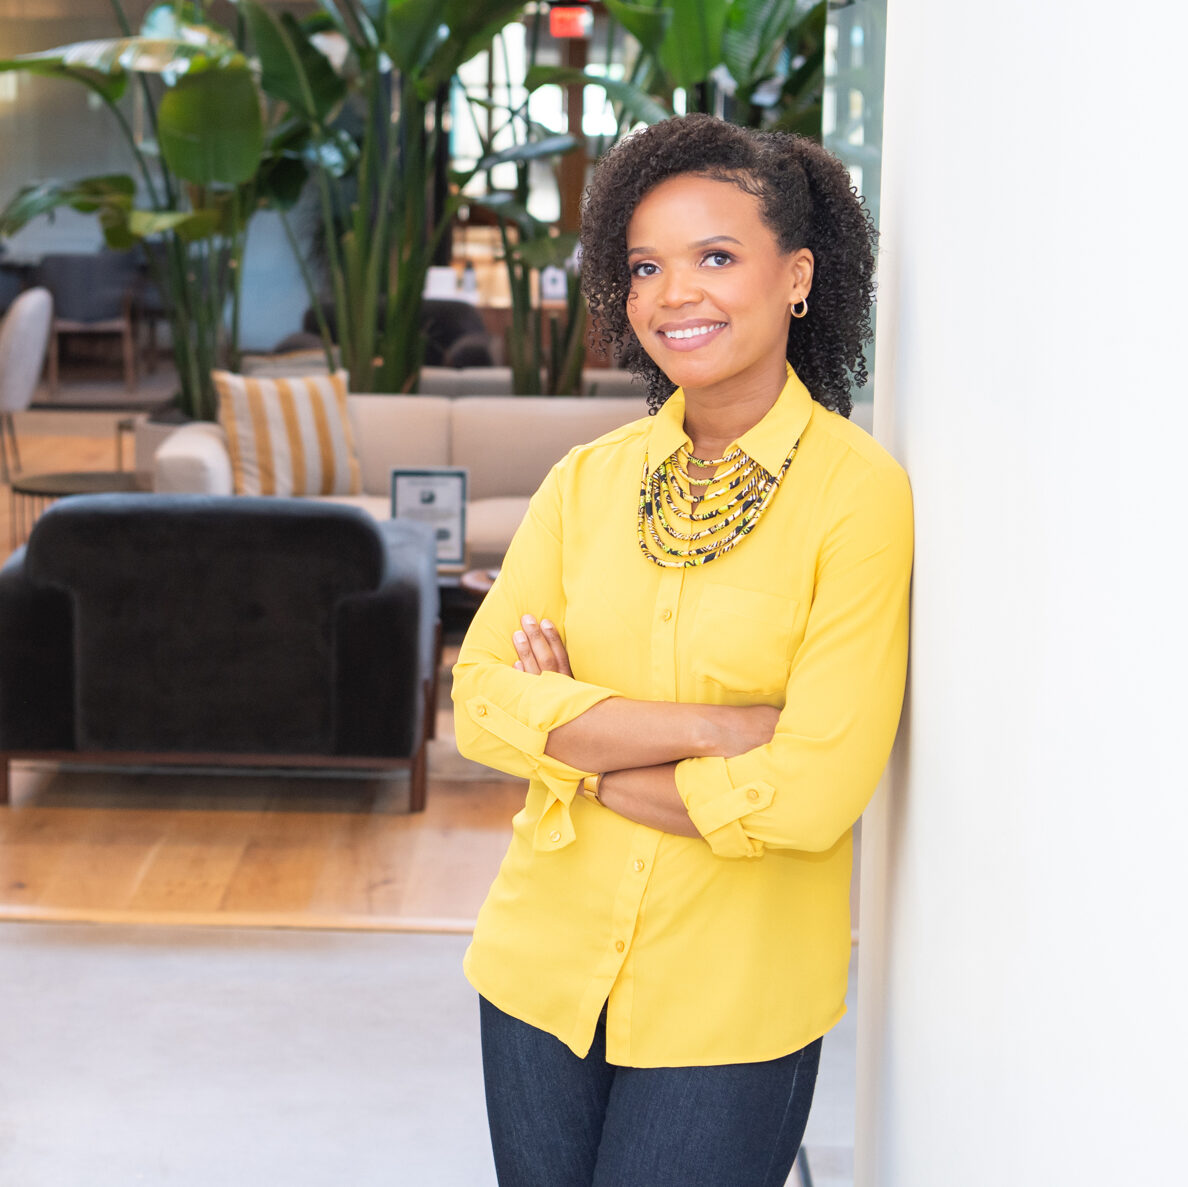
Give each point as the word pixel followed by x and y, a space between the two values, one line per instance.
pixel 808 785
pixel 502 717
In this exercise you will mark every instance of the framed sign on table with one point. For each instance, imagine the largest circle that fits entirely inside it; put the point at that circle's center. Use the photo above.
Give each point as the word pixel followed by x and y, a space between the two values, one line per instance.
pixel 435 496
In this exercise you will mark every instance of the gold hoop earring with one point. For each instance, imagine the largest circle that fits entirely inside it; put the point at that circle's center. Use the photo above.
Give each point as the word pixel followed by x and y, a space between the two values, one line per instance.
pixel 804 311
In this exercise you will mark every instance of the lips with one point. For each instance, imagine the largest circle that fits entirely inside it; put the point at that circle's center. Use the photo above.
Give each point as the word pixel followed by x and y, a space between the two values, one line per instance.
pixel 690 336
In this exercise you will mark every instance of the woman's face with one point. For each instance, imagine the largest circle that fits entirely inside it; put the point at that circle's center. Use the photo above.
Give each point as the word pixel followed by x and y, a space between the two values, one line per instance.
pixel 710 289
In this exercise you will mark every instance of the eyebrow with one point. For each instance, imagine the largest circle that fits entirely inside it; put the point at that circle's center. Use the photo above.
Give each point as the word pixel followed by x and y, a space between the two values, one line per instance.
pixel 648 251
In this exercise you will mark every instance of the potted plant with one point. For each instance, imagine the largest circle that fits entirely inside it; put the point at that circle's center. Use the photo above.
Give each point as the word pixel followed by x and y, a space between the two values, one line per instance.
pixel 199 179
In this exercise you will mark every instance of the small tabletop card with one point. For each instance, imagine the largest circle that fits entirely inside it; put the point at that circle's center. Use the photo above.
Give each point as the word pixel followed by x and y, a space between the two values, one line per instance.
pixel 436 496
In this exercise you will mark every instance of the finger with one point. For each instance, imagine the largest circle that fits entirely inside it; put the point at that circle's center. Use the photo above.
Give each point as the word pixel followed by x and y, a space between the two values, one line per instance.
pixel 527 660
pixel 541 651
pixel 518 666
pixel 553 638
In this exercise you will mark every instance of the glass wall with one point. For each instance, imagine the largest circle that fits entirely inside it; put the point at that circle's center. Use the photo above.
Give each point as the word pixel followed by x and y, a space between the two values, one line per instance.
pixel 852 120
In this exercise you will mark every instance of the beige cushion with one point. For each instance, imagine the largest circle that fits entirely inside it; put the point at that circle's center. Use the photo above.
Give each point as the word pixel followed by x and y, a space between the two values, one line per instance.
pixel 410 431
pixel 510 443
pixel 288 436
pixel 465 381
pixel 490 525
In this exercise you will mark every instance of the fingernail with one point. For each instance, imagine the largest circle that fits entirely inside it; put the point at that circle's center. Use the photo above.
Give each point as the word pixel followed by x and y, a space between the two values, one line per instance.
pixel 544 622
pixel 520 637
pixel 528 620
pixel 518 665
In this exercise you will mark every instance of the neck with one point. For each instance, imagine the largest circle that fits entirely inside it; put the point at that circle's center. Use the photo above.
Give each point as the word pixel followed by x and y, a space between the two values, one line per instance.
pixel 717 417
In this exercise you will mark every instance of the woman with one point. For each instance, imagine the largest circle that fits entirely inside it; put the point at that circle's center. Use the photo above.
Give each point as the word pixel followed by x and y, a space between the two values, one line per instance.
pixel 695 652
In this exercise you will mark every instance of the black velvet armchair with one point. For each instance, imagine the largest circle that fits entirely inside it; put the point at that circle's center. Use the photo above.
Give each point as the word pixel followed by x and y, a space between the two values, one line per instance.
pixel 230 631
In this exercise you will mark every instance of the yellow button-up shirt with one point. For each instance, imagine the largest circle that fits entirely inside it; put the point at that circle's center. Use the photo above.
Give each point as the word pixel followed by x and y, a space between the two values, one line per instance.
pixel 733 947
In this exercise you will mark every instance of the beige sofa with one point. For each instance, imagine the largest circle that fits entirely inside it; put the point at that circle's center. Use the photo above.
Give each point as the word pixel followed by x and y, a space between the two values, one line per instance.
pixel 507 443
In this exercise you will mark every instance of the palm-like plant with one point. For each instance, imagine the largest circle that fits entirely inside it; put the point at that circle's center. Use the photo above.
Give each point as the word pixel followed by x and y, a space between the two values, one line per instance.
pixel 379 226
pixel 200 178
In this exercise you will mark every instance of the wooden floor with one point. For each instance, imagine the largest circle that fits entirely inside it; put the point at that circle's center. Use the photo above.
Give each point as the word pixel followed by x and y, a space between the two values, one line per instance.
pixel 258 850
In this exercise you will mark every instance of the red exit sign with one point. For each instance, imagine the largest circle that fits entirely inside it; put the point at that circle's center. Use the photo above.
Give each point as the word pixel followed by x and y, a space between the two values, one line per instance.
pixel 570 21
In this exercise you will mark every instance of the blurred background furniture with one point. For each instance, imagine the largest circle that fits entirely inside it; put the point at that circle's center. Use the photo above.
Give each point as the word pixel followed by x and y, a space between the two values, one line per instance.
pixel 24 335
pixel 94 294
pixel 145 630
pixel 507 444
pixel 33 493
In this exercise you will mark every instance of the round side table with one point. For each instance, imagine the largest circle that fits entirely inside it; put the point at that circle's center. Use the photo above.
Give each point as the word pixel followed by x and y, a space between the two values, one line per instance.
pixel 32 494
pixel 476 582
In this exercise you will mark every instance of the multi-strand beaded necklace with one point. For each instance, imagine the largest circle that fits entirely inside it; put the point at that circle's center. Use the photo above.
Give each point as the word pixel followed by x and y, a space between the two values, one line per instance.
pixel 678 529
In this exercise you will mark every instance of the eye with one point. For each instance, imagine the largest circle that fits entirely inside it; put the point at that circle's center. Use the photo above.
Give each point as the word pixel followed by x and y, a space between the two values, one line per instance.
pixel 644 268
pixel 718 259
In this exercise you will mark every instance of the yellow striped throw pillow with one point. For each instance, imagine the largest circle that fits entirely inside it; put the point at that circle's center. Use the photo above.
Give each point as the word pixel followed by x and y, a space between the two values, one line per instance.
pixel 288 436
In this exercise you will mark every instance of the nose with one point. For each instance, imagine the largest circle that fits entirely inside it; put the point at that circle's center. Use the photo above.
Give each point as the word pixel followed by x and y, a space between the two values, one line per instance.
pixel 678 286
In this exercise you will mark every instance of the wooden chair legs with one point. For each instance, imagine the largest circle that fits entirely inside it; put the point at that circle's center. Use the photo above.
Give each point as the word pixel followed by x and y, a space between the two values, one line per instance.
pixel 51 358
pixel 128 337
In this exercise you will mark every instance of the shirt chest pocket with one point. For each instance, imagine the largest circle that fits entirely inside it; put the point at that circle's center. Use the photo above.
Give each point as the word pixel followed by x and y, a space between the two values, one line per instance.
pixel 742 641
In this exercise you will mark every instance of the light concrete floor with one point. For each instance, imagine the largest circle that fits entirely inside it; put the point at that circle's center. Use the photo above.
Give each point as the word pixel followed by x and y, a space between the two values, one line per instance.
pixel 194 1057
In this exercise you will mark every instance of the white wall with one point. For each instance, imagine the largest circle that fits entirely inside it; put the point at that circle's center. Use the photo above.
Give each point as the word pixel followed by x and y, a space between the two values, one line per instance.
pixel 1022 968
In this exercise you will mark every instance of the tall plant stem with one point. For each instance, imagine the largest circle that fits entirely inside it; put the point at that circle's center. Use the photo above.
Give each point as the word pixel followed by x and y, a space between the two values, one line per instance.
pixel 241 201
pixel 311 290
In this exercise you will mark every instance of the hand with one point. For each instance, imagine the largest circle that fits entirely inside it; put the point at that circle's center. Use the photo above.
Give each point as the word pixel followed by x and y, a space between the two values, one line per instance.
pixel 735 729
pixel 540 648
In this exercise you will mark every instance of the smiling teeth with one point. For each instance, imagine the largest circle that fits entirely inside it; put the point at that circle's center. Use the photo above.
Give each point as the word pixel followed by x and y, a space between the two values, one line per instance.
pixel 694 333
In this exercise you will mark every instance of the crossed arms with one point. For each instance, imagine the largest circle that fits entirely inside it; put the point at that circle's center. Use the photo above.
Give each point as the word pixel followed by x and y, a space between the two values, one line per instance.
pixel 637 744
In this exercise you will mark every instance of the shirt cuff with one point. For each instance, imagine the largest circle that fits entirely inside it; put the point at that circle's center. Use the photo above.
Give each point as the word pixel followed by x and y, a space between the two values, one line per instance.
pixel 717 808
pixel 554 830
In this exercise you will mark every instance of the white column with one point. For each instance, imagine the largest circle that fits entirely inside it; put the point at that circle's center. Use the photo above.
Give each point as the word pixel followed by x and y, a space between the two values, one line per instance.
pixel 1022 1014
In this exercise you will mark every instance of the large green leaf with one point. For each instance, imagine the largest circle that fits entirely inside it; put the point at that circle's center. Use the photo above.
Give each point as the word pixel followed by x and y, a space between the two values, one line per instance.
pixel 647 25
pixel 415 31
pixel 534 150
pixel 359 28
pixel 109 85
pixel 210 127
pixel 755 34
pixel 638 104
pixel 292 68
pixel 692 46
pixel 114 55
pixel 470 26
pixel 807 38
pixel 198 224
pixel 86 196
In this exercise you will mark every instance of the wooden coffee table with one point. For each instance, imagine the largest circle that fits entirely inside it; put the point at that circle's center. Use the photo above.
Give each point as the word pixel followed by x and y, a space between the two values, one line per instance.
pixel 33 493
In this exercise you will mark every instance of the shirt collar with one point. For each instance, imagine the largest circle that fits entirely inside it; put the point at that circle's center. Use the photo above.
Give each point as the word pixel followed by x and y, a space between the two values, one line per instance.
pixel 769 442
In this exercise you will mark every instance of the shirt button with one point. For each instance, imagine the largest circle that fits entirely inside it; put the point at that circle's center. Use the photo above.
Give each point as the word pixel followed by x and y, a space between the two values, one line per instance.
pixel 555 835
pixel 752 795
pixel 665 615
pixel 639 865
pixel 619 945
pixel 481 710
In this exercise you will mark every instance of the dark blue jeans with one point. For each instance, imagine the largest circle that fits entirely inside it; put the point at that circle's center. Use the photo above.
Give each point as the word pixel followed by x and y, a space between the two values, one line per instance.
pixel 560 1121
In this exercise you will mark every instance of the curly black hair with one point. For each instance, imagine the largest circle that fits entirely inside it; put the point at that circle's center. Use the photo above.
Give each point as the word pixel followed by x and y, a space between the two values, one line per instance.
pixel 805 198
